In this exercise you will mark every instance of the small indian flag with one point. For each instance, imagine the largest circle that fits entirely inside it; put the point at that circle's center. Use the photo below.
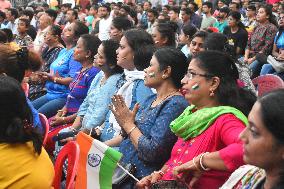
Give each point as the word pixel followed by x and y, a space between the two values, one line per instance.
pixel 97 163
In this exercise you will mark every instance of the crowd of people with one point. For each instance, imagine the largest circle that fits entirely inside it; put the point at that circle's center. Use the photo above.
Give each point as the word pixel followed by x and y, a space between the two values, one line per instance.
pixel 168 84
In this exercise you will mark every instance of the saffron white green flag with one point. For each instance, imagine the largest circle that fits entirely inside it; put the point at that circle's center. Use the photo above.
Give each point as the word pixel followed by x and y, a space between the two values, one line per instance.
pixel 97 163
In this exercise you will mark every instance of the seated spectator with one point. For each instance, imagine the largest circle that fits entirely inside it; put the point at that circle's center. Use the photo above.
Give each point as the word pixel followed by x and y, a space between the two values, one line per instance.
pixel 23 39
pixel 221 21
pixel 236 34
pixel 118 26
pixel 277 51
pixel 54 45
pixel 261 40
pixel 133 55
pixel 29 14
pixel 17 63
pixel 250 20
pixel 218 113
pixel 25 163
pixel 208 20
pixel 263 146
pixel 147 139
pixel 196 44
pixel 62 72
pixel 164 34
pixel 152 17
pixel 185 38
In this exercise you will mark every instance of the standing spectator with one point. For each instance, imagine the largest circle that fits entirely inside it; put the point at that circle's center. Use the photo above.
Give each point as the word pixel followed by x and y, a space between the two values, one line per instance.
pixel 236 34
pixel 222 22
pixel 152 17
pixel 44 22
pixel 105 22
pixel 91 16
pixel 23 39
pixel 5 4
pixel 208 20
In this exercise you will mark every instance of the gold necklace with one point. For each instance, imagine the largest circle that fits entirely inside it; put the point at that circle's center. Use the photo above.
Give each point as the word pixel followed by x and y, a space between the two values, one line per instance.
pixel 163 99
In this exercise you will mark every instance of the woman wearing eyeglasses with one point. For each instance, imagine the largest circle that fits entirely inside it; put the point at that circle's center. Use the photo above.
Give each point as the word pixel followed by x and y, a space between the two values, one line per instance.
pixel 208 148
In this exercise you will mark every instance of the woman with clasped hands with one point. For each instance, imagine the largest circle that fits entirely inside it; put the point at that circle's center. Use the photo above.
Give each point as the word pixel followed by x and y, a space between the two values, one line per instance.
pixel 208 148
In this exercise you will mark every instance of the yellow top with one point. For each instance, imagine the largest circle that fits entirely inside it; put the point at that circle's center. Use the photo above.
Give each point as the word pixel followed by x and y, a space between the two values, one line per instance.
pixel 22 168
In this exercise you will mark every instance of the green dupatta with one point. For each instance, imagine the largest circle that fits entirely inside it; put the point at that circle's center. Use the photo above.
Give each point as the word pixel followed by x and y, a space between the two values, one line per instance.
pixel 191 124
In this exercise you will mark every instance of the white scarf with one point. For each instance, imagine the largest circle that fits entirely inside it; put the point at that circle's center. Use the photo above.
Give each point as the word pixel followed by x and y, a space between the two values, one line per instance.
pixel 126 92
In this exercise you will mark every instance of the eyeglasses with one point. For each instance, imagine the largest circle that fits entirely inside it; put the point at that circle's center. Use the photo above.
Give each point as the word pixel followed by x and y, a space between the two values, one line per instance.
pixel 191 75
pixel 280 18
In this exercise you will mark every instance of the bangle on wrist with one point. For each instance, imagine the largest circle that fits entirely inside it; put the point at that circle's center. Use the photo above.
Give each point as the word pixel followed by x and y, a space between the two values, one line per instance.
pixel 55 79
pixel 131 130
pixel 195 165
pixel 201 164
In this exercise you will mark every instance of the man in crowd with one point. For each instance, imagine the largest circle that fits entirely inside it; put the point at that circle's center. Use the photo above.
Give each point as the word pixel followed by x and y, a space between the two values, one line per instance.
pixel 208 20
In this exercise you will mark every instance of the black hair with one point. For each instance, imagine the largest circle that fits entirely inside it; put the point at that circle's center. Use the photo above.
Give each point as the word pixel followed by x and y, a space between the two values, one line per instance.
pixel 237 4
pixel 56 30
pixel 142 44
pixel 176 60
pixel 126 8
pixel 168 30
pixel 251 7
pixel 133 14
pixel 80 29
pixel 195 5
pixel 237 16
pixel 187 11
pixel 14 12
pixel 189 30
pixel 155 13
pixel 175 9
pixel 208 4
pixel 74 13
pixel 26 21
pixel 14 63
pixel 216 63
pixel 9 33
pixel 2 14
pixel 28 13
pixel 52 13
pixel 3 37
pixel 201 34
pixel 121 23
pixel 91 43
pixel 15 115
pixel 268 12
pixel 225 10
pixel 107 7
pixel 148 2
pixel 110 47
pixel 167 7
